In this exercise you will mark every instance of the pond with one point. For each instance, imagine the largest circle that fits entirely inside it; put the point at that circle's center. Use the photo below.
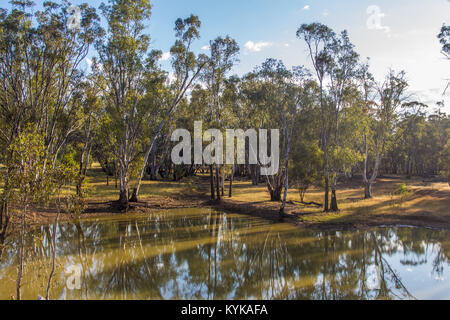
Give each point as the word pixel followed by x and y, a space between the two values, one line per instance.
pixel 203 254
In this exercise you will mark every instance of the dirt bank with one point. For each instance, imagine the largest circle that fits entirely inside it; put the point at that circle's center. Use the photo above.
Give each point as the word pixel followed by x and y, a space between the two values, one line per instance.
pixel 427 205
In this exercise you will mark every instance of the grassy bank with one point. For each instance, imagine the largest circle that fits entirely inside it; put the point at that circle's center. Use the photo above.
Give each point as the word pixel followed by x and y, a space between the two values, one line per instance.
pixel 427 204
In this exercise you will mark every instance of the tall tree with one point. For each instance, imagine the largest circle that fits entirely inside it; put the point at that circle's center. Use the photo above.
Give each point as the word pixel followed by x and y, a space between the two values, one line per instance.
pixel 224 52
pixel 390 96
pixel 319 38
pixel 342 68
pixel 444 39
pixel 123 56
pixel 186 67
pixel 40 58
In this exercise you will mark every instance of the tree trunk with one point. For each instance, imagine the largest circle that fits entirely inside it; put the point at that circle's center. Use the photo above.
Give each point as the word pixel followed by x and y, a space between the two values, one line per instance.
pixel 217 182
pixel 368 190
pixel 211 176
pixel 334 205
pixel 134 197
pixel 137 187
pixel 369 182
pixel 4 227
pixel 123 199
pixel 287 145
pixel 327 187
pixel 325 145
pixel 222 183
pixel 286 189
pixel 275 191
pixel 254 174
pixel 230 193
pixel 409 174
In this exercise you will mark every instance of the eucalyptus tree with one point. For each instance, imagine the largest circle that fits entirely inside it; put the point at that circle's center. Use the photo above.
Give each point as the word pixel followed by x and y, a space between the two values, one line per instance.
pixel 412 127
pixel 252 114
pixel 83 140
pixel 121 52
pixel 35 181
pixel 319 38
pixel 277 97
pixel 342 68
pixel 281 98
pixel 390 95
pixel 367 88
pixel 186 70
pixel 297 97
pixel 40 57
pixel 232 113
pixel 223 56
pixel 444 39
pixel 416 147
pixel 306 163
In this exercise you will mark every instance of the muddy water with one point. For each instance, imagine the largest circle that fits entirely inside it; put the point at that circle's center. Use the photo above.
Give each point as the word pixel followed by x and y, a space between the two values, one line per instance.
pixel 199 254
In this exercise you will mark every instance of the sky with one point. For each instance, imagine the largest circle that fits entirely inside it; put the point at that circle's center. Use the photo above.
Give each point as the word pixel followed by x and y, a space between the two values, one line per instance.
pixel 397 34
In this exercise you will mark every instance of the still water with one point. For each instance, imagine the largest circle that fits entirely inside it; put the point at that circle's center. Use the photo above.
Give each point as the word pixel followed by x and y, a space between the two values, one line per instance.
pixel 201 254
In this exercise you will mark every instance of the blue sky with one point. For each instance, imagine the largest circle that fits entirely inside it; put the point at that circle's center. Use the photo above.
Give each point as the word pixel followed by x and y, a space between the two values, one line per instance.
pixel 405 38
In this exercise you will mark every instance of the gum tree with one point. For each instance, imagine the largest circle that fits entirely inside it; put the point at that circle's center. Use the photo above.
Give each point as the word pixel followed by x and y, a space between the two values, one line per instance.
pixel 342 69
pixel 186 70
pixel 33 180
pixel 122 57
pixel 384 108
pixel 223 56
pixel 40 58
pixel 319 38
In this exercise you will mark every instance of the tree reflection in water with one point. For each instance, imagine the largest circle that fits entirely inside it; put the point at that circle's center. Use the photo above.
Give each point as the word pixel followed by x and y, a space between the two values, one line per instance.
pixel 198 254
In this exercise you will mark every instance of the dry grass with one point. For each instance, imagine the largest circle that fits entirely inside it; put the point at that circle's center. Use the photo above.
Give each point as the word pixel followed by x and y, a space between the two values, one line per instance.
pixel 428 204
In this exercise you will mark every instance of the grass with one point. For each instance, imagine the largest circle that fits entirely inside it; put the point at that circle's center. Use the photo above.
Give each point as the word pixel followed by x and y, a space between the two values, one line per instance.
pixel 396 200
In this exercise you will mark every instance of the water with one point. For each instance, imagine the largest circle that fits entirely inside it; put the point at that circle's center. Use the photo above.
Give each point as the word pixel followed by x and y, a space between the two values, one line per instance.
pixel 199 254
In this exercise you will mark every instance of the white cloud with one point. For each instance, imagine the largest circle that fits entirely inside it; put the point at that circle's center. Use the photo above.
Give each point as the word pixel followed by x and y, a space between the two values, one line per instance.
pixel 206 48
pixel 257 46
pixel 326 13
pixel 165 56
pixel 90 64
pixel 306 7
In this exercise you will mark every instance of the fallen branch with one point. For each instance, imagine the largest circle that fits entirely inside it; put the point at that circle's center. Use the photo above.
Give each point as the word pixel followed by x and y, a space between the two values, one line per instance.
pixel 312 203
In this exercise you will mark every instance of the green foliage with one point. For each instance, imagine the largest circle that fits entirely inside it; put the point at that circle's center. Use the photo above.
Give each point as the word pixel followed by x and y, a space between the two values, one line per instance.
pixel 305 166
pixel 31 177
pixel 402 189
pixel 444 39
